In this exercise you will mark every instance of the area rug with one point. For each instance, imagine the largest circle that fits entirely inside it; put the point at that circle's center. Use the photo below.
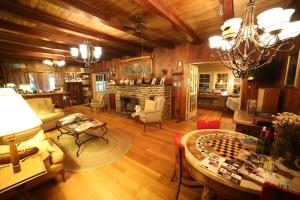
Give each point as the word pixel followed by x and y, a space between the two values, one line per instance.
pixel 95 153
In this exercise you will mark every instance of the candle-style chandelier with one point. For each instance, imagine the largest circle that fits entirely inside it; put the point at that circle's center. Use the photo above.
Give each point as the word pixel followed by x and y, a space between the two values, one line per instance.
pixel 86 53
pixel 245 46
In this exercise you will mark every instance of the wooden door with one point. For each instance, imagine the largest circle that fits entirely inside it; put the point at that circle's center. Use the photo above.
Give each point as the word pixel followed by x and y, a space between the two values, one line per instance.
pixel 192 91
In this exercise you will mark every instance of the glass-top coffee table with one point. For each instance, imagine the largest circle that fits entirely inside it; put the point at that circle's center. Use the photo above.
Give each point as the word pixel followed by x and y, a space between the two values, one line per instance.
pixel 83 124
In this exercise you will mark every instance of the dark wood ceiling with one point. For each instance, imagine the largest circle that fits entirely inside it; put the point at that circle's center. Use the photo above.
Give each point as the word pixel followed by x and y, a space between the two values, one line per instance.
pixel 48 28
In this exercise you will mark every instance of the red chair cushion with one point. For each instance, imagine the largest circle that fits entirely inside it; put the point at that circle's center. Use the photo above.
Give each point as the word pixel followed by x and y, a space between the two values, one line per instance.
pixel 212 124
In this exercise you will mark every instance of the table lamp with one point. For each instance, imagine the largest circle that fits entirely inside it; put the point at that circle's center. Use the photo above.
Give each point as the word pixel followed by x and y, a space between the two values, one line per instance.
pixel 16 116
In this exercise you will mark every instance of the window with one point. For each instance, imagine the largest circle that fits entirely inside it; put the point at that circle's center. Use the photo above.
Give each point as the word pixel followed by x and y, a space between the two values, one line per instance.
pixel 32 83
pixel 222 81
pixel 236 85
pixel 100 83
pixel 51 81
pixel 204 80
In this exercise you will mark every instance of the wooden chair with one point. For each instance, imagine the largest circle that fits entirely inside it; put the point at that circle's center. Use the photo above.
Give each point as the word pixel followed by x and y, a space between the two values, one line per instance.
pixel 274 192
pixel 67 102
pixel 180 173
pixel 208 124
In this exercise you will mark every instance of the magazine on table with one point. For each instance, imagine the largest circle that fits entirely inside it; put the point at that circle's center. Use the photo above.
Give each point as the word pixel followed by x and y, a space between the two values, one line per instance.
pixel 212 162
pixel 81 126
pixel 229 175
pixel 261 175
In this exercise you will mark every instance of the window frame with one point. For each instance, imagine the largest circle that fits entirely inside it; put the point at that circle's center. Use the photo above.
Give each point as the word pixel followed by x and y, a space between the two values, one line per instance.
pixel 204 83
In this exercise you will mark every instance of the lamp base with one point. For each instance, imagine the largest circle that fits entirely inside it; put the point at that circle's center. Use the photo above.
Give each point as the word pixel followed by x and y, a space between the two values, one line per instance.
pixel 14 156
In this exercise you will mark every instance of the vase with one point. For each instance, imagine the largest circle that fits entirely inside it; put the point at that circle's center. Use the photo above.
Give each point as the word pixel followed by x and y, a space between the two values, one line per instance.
pixel 291 161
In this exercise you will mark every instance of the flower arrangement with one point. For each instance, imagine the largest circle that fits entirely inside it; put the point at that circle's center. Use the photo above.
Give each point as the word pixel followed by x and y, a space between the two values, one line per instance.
pixel 287 144
pixel 287 125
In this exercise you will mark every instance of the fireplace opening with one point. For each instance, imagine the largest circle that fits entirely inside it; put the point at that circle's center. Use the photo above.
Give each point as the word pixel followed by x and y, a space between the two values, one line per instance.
pixel 128 104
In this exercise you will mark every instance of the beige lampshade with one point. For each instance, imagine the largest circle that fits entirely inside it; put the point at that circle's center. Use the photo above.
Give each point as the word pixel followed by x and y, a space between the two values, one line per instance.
pixel 15 114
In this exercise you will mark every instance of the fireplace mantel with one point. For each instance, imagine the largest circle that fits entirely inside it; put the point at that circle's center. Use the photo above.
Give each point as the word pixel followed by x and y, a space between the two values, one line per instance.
pixel 142 92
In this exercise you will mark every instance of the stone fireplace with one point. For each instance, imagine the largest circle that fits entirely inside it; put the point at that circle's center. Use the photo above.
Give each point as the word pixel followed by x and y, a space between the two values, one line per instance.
pixel 137 95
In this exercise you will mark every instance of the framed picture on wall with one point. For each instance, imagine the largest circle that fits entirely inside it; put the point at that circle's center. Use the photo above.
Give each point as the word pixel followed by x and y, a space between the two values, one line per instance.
pixel 292 70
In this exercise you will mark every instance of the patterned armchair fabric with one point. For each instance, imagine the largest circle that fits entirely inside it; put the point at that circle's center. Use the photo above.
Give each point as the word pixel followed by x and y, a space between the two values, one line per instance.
pixel 154 113
pixel 98 101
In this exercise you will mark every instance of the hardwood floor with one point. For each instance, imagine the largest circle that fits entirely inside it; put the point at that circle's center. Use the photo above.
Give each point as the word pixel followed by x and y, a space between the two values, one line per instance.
pixel 145 171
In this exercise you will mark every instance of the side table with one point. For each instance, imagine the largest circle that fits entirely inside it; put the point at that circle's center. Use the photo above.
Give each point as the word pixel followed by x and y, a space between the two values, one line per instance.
pixel 31 168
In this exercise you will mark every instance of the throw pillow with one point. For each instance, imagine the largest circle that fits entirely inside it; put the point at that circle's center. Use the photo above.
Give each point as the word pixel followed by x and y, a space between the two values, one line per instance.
pixel 149 105
pixel 40 136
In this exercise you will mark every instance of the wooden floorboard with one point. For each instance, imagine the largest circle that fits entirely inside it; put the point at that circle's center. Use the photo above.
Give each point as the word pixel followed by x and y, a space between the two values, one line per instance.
pixel 143 173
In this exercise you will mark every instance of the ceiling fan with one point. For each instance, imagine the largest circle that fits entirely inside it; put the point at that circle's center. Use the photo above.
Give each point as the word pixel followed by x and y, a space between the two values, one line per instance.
pixel 137 24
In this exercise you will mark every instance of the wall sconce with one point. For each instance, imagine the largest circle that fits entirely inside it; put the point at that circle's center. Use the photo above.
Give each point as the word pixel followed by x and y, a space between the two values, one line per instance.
pixel 180 64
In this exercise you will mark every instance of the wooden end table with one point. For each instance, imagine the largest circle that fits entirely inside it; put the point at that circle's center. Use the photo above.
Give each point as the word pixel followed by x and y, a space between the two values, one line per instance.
pixel 31 168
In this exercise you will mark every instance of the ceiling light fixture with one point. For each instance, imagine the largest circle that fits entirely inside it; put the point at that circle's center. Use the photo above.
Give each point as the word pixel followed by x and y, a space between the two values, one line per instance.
pixel 58 63
pixel 86 53
pixel 245 46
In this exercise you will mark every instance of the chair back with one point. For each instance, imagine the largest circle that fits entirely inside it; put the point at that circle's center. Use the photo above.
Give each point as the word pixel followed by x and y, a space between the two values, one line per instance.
pixel 274 192
pixel 208 124
pixel 160 101
pixel 99 97
pixel 179 149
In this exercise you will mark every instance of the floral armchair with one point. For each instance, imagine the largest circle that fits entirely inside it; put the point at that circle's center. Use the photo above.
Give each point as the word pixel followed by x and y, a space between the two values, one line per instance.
pixel 152 112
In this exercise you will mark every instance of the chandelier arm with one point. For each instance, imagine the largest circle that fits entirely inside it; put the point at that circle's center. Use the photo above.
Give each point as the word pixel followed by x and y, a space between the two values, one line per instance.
pixel 235 63
pixel 223 62
pixel 260 65
pixel 286 50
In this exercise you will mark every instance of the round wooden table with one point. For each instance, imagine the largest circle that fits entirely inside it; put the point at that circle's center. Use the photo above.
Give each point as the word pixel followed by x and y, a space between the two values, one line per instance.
pixel 214 183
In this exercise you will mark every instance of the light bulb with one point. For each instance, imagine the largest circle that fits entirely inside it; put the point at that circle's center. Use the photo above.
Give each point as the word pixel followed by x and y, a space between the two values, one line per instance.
pixel 97 52
pixel 215 42
pixel 74 52
pixel 48 62
pixel 291 31
pixel 83 51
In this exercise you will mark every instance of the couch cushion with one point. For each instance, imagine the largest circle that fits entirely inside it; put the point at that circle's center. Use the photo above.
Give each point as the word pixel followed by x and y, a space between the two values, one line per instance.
pixel 34 103
pixel 51 116
pixel 46 109
pixel 40 136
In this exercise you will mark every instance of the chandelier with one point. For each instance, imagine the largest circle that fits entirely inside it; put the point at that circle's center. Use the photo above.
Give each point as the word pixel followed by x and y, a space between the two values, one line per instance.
pixel 59 63
pixel 245 46
pixel 86 53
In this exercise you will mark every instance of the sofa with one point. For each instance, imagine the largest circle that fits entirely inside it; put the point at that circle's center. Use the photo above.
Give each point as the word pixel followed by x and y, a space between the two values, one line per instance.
pixel 46 111
pixel 50 153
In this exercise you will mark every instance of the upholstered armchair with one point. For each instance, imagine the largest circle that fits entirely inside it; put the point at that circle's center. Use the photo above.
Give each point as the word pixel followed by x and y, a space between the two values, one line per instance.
pixel 152 112
pixel 98 101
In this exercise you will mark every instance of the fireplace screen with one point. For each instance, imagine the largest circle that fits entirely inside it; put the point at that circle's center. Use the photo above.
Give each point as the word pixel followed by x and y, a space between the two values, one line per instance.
pixel 128 104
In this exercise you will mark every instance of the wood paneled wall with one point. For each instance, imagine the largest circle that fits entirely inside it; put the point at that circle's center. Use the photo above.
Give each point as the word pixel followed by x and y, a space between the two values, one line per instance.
pixel 289 96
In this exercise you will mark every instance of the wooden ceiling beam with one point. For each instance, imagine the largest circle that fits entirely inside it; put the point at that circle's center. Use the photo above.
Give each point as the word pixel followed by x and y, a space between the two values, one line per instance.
pixel 7 45
pixel 21 40
pixel 228 11
pixel 157 7
pixel 39 18
pixel 54 37
pixel 32 54
pixel 79 5
pixel 8 37
pixel 35 55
